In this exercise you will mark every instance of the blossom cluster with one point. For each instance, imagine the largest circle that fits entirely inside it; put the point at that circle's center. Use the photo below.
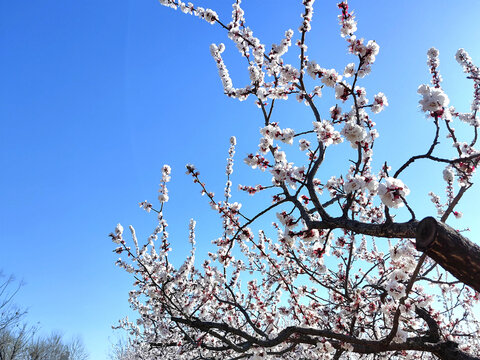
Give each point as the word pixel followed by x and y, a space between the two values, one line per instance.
pixel 326 133
pixel 163 191
pixel 474 73
pixel 433 100
pixel 393 192
pixel 208 15
pixel 433 64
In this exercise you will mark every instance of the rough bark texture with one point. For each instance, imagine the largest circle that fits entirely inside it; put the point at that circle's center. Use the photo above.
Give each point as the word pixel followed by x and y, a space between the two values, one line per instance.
pixel 449 351
pixel 454 252
pixel 385 230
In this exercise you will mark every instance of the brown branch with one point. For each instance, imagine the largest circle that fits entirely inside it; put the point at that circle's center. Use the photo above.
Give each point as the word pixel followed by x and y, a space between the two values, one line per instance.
pixel 454 252
pixel 294 334
pixel 385 230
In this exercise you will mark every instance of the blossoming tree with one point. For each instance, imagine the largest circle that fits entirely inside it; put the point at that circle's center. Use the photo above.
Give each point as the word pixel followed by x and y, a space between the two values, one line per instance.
pixel 341 278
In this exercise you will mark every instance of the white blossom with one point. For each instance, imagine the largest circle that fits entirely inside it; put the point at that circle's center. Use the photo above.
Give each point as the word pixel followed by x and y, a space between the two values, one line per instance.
pixel 433 99
pixel 354 133
pixel 326 133
pixel 392 191
pixel 331 77
pixel 448 174
pixel 349 70
pixel 379 102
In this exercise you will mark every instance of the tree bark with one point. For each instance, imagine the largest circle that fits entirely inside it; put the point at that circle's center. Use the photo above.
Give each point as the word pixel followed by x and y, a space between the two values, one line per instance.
pixel 449 351
pixel 454 252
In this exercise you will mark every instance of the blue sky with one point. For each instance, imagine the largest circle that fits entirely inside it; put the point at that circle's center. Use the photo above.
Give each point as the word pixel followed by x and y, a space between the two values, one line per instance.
pixel 95 96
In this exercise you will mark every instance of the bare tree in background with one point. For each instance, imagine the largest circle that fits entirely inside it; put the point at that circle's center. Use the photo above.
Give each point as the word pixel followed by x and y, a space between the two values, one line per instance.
pixel 9 313
pixel 20 341
pixel 123 350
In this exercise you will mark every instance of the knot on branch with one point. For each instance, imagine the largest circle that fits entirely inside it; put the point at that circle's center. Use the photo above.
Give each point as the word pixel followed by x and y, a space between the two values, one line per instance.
pixel 426 233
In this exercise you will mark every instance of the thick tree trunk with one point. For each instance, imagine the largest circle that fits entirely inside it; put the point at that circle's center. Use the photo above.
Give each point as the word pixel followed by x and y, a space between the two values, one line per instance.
pixel 449 351
pixel 454 252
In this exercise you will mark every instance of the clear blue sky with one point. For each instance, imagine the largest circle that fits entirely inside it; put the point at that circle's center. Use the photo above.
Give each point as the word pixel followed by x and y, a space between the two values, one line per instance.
pixel 96 95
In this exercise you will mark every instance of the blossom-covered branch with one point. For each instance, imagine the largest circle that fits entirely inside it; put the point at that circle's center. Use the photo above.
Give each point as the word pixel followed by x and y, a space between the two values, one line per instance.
pixel 336 276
